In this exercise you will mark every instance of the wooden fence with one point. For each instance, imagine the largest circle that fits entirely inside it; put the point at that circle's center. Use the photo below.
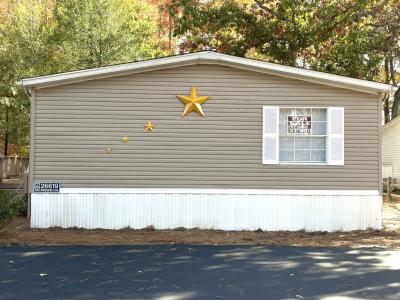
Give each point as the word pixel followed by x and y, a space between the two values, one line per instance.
pixel 389 185
pixel 11 167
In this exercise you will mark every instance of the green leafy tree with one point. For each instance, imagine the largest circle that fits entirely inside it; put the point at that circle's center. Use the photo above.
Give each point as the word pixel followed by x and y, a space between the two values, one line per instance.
pixel 46 36
pixel 24 31
pixel 385 21
pixel 165 26
pixel 288 31
pixel 356 38
pixel 103 32
pixel 369 49
pixel 14 128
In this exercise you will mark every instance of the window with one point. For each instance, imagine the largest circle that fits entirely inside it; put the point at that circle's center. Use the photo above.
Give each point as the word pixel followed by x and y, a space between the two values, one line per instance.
pixel 302 135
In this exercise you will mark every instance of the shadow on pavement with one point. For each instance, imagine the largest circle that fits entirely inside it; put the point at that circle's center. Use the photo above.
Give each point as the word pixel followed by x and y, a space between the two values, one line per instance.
pixel 198 272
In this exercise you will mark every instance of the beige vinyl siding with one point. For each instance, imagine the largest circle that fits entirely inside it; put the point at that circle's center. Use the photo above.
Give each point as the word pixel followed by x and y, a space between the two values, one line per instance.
pixel 76 122
pixel 391 148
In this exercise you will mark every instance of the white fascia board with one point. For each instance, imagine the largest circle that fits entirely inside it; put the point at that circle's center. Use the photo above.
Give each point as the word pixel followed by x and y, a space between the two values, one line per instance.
pixel 209 58
pixel 110 71
pixel 217 191
pixel 304 74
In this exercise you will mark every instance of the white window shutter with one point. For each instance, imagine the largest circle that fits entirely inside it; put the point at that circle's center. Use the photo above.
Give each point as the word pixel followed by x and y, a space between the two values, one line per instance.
pixel 335 136
pixel 270 144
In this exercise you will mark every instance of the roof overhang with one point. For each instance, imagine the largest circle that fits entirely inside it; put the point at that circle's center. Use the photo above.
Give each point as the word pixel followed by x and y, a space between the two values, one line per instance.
pixel 391 123
pixel 208 57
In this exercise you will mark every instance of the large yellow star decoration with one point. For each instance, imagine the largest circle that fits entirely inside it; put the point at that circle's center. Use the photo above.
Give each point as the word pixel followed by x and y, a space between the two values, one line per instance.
pixel 192 102
pixel 149 127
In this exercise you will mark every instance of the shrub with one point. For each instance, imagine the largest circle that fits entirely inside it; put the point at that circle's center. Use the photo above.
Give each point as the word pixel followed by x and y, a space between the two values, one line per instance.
pixel 10 206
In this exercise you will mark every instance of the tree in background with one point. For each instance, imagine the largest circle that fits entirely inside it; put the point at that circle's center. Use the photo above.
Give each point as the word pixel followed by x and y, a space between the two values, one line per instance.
pixel 355 38
pixel 369 49
pixel 46 36
pixel 165 26
pixel 385 21
pixel 14 127
pixel 98 33
pixel 290 32
pixel 24 32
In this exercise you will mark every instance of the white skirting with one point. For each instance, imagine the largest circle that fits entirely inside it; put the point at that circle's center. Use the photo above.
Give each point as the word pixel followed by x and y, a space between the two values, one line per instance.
pixel 211 209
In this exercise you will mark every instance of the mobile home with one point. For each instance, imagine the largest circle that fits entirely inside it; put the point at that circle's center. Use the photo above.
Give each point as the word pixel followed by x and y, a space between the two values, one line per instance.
pixel 205 140
pixel 391 149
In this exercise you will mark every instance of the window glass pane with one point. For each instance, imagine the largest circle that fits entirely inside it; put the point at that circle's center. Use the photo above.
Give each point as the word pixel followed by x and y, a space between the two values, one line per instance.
pixel 286 143
pixel 303 111
pixel 318 143
pixel 302 155
pixel 282 127
pixel 319 114
pixel 318 128
pixel 302 143
pixel 286 155
pixel 318 155
pixel 283 114
pixel 303 147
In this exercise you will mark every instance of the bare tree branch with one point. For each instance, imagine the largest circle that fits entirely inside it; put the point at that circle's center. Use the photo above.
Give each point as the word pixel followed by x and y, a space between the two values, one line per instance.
pixel 261 5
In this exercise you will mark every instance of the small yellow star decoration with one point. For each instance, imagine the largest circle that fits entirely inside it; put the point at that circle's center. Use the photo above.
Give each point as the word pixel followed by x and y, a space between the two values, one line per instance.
pixel 108 150
pixel 192 102
pixel 124 139
pixel 149 127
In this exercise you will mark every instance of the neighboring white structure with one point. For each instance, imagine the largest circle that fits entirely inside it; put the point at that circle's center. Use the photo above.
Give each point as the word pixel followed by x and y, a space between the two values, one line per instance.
pixel 391 149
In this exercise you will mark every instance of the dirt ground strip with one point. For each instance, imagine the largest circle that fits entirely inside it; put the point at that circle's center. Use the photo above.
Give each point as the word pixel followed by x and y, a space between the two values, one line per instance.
pixel 18 232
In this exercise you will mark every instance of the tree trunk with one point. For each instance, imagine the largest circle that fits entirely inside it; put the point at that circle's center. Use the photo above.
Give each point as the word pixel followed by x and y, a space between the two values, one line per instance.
pixel 396 99
pixel 292 56
pixel 6 134
pixel 170 34
pixel 392 72
pixel 396 104
pixel 386 108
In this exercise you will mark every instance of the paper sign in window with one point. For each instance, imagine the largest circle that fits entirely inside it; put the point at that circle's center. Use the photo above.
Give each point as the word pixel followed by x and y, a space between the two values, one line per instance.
pixel 299 125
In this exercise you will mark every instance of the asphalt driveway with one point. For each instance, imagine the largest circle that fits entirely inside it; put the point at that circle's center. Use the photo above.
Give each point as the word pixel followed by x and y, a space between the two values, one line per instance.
pixel 198 272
